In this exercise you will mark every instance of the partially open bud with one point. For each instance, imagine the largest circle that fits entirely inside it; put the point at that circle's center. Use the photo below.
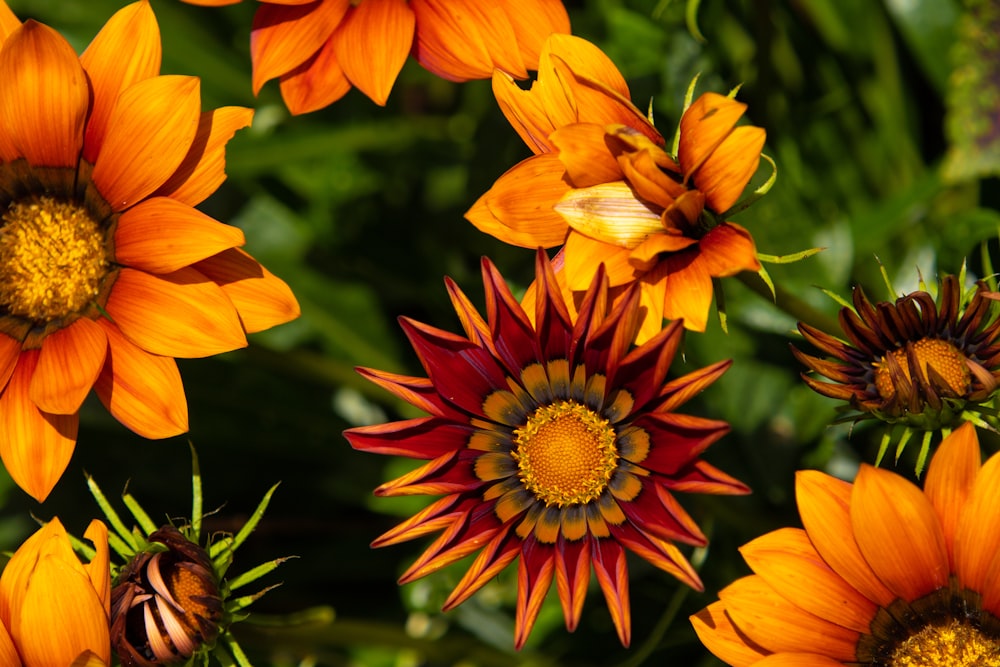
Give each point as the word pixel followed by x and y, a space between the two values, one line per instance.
pixel 166 603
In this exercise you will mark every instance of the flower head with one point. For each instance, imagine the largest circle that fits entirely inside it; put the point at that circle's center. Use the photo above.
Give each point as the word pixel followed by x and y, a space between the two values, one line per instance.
pixel 553 442
pixel 320 49
pixel 884 573
pixel 913 362
pixel 107 271
pixel 602 184
pixel 53 608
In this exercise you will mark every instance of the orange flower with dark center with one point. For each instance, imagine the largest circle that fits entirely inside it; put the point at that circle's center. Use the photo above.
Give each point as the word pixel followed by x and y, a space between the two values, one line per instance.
pixel 319 49
pixel 602 184
pixel 106 269
pixel 884 573
pixel 912 361
pixel 554 442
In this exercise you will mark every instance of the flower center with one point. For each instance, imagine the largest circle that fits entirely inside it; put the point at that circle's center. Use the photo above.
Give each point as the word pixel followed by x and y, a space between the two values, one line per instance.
pixel 944 358
pixel 951 644
pixel 52 258
pixel 565 453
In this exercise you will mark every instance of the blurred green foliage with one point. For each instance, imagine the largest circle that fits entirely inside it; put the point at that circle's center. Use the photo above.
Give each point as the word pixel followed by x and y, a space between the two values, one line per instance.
pixel 882 118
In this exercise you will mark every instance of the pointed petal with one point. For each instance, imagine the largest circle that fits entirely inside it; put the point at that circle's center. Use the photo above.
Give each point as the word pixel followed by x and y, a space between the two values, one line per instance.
pixel 610 213
pixel 8 22
pixel 572 559
pixel 125 51
pixel 36 446
pixel 716 630
pixel 583 151
pixel 518 209
pixel 316 83
pixel 534 577
pixel 420 438
pixel 68 365
pixel 283 37
pixel 950 479
pixel 790 564
pixel 726 172
pixel 203 169
pixel 10 350
pixel 688 288
pixel 824 505
pixel 704 126
pixel 150 131
pixel 372 65
pixel 45 96
pixel 776 624
pixel 498 553
pixel 437 516
pixel 98 569
pixel 728 249
pixel 612 575
pixel 977 540
pixel 143 391
pixel 460 40
pixel 179 314
pixel 162 235
pixel 532 28
pixel 261 298
pixel 898 533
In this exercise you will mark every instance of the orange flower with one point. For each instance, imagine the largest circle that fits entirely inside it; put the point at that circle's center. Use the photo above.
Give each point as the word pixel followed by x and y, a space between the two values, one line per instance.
pixel 602 184
pixel 320 49
pixel 53 609
pixel 882 574
pixel 556 444
pixel 106 270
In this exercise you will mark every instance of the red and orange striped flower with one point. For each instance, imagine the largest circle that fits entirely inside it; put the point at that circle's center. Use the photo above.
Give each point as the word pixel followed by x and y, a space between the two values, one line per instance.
pixel 884 573
pixel 319 49
pixel 53 608
pixel 554 442
pixel 107 271
pixel 602 185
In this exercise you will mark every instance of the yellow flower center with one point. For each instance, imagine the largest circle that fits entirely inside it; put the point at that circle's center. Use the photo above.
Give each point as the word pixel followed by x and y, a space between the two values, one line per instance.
pixel 952 644
pixel 52 259
pixel 946 360
pixel 565 453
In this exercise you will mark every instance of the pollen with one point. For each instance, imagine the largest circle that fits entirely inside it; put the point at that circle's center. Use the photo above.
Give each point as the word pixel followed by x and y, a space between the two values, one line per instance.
pixel 52 259
pixel 952 644
pixel 948 363
pixel 565 454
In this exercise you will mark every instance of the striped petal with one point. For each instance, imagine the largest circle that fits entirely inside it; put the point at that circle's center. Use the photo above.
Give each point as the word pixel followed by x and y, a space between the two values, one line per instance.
pixel 714 627
pixel 371 45
pixel 284 37
pixel 68 365
pixel 261 298
pixel 950 480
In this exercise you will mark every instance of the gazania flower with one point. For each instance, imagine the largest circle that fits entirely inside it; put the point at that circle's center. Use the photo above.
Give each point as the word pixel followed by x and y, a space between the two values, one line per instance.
pixel 107 271
pixel 320 49
pixel 602 184
pixel 553 443
pixel 882 574
pixel 921 364
pixel 53 608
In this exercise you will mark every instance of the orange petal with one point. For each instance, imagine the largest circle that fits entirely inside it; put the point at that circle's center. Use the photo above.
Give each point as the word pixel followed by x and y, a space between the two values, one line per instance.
pixel 715 629
pixel 649 180
pixel 534 577
pixel 161 235
pixel 10 350
pixel 779 626
pixel 262 299
pixel 652 296
pixel 583 151
pixel 460 40
pixel 790 564
pixel 798 660
pixel 977 540
pixel 8 654
pixel 526 112
pixel 68 365
pixel 316 83
pixel 609 213
pixel 704 126
pixel 518 208
pixel 824 505
pixel 143 391
pixel 950 478
pixel 532 28
pixel 728 249
pixel 125 51
pixel 583 255
pixel 36 446
pixel 371 45
pixel 98 569
pixel 898 533
pixel 204 167
pixel 8 22
pixel 284 37
pixel 647 254
pixel 45 96
pixel 688 293
pixel 150 131
pixel 50 540
pixel 726 172
pixel 179 314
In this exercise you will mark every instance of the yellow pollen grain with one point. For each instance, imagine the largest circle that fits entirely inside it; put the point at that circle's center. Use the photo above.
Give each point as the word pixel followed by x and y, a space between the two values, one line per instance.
pixel 952 644
pixel 946 360
pixel 190 589
pixel 565 454
pixel 52 259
